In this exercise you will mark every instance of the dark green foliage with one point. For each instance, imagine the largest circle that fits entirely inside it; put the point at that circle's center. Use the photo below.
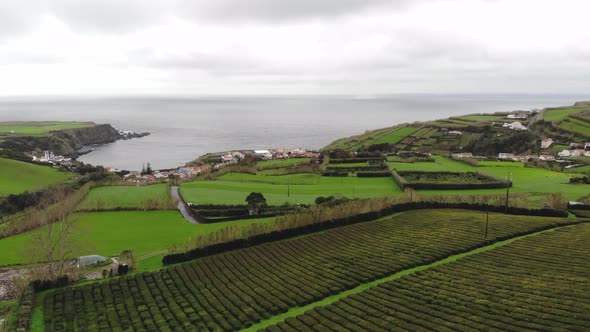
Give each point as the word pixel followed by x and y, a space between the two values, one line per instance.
pixel 582 180
pixel 382 174
pixel 539 283
pixel 335 173
pixel 255 201
pixel 24 310
pixel 371 168
pixel 447 180
pixel 18 202
pixel 357 160
pixel 490 144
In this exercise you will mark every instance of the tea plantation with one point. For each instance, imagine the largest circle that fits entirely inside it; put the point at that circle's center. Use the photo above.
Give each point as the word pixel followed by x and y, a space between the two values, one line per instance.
pixel 236 289
pixel 540 283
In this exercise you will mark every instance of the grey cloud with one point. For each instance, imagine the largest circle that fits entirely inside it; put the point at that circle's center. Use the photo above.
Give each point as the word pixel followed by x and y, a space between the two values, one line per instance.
pixel 279 10
pixel 16 17
pixel 109 15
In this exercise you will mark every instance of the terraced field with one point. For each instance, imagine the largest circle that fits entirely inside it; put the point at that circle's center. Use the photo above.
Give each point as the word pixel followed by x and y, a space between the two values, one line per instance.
pixel 541 283
pixel 236 289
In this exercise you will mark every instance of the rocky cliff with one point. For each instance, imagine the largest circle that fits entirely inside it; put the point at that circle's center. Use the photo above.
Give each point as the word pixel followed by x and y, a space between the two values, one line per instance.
pixel 64 142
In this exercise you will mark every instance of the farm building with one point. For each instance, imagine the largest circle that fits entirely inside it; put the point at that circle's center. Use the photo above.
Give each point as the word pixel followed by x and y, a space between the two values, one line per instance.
pixel 83 261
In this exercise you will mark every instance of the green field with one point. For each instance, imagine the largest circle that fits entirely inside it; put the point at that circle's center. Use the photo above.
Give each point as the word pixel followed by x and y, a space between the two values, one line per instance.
pixel 395 136
pixel 39 128
pixel 109 233
pixel 483 118
pixel 537 283
pixel 304 188
pixel 17 177
pixel 524 180
pixel 282 162
pixel 233 290
pixel 111 197
pixel 560 114
pixel 575 125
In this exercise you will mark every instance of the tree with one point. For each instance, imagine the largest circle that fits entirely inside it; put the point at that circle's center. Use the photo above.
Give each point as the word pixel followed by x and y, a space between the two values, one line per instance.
pixel 255 202
pixel 54 243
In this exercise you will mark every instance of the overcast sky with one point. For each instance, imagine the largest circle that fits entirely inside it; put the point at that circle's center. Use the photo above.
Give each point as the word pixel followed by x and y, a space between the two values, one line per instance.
pixel 229 47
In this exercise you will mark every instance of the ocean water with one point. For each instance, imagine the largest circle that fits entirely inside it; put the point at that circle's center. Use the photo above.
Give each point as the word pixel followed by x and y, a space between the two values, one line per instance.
pixel 184 128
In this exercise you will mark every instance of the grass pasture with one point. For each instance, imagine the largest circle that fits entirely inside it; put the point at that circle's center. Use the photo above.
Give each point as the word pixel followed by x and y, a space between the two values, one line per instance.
pixel 17 177
pixel 395 136
pixel 109 233
pixel 155 196
pixel 524 180
pixel 39 128
pixel 555 115
pixel 236 289
pixel 294 189
pixel 282 163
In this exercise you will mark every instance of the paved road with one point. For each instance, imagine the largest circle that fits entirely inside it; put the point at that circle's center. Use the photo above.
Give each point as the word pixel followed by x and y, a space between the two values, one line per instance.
pixel 184 209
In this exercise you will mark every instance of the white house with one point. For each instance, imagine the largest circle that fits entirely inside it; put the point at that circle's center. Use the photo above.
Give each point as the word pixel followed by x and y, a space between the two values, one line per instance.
pixel 546 143
pixel 506 156
pixel 522 116
pixel 565 153
pixel 515 126
pixel 265 154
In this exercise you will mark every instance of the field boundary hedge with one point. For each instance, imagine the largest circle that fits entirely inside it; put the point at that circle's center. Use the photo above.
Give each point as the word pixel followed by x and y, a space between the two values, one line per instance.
pixel 354 160
pixel 403 183
pixel 333 223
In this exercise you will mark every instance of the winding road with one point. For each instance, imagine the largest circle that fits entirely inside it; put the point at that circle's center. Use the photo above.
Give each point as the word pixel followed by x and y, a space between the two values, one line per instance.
pixel 184 209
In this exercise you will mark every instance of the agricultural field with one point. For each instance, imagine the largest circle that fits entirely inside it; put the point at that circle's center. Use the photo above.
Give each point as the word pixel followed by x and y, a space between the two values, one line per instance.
pixel 395 136
pixel 154 197
pixel 294 189
pixel 17 177
pixel 236 289
pixel 538 283
pixel 575 125
pixel 39 128
pixel 385 135
pixel 109 233
pixel 282 162
pixel 483 118
pixel 524 180
pixel 555 115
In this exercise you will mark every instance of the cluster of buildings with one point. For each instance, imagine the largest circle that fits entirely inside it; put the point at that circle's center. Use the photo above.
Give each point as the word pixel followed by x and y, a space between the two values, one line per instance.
pixel 49 157
pixel 163 175
pixel 225 159
pixel 283 153
pixel 510 125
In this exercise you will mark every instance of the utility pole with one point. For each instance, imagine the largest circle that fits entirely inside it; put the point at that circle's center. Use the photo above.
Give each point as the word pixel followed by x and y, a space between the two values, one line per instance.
pixel 487 221
pixel 507 192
